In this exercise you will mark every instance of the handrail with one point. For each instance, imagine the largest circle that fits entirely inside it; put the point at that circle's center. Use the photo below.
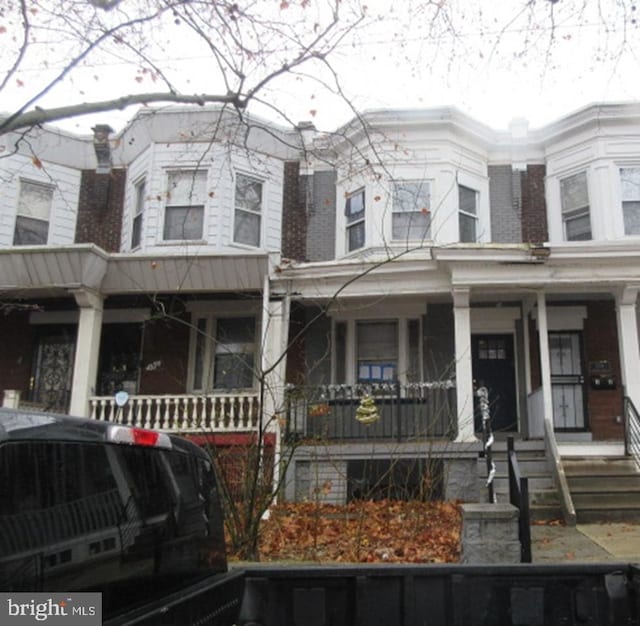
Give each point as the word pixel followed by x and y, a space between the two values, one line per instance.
pixel 631 430
pixel 519 497
pixel 557 471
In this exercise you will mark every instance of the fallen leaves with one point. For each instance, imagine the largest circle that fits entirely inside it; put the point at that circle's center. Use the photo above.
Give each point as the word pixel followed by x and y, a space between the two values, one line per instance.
pixel 387 531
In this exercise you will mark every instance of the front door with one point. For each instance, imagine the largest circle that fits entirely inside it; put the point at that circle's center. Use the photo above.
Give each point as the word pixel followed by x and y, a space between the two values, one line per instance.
pixel 567 381
pixel 53 371
pixel 494 368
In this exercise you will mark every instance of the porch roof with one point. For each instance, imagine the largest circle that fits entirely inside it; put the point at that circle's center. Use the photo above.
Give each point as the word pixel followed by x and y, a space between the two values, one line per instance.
pixel 54 271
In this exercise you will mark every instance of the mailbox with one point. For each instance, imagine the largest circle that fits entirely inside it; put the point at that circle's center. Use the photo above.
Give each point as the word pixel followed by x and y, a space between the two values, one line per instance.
pixel 601 376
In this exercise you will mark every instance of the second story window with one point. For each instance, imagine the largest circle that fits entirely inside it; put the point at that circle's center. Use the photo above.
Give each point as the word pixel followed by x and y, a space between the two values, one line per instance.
pixel 354 212
pixel 34 208
pixel 411 218
pixel 468 214
pixel 247 221
pixel 574 198
pixel 136 226
pixel 630 193
pixel 184 209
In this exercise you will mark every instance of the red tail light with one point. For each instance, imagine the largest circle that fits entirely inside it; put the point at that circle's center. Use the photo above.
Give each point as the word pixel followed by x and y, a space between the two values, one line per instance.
pixel 138 437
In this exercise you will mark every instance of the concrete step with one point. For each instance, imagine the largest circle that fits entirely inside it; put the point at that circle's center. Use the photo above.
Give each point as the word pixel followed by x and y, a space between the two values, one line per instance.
pixel 603 484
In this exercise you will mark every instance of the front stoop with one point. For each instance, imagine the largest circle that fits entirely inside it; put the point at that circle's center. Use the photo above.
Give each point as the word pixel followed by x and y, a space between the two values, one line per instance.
pixel 604 489
pixel 544 503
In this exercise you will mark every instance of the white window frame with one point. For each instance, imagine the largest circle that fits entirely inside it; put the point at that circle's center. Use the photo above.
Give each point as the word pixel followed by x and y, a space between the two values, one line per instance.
pixel 255 214
pixel 467 215
pixel 139 194
pixel 355 220
pixel 630 189
pixel 571 213
pixel 198 195
pixel 24 213
pixel 204 325
pixel 421 210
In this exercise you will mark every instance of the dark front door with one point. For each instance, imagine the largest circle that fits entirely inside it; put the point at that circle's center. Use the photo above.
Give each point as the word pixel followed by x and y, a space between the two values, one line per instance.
pixel 53 370
pixel 494 368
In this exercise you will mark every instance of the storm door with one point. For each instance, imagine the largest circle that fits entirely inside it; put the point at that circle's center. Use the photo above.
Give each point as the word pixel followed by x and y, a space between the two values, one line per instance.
pixel 53 370
pixel 567 381
pixel 494 368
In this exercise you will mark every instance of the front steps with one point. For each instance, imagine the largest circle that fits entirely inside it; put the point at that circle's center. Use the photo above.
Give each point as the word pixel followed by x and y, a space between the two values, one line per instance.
pixel 604 489
pixel 544 503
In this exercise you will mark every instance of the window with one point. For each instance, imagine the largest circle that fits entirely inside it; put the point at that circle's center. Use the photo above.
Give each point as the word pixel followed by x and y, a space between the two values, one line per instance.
pixel 410 218
pixel 377 350
pixel 136 228
pixel 468 214
pixel 354 212
pixel 32 220
pixel 248 210
pixel 630 192
pixel 228 362
pixel 184 210
pixel 575 207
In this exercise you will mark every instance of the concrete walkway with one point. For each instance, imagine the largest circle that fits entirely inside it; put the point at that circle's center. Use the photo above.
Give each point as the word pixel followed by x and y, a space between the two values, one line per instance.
pixel 586 543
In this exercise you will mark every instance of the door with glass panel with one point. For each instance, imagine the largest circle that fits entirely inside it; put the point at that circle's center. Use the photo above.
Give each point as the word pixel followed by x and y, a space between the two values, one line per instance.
pixel 567 381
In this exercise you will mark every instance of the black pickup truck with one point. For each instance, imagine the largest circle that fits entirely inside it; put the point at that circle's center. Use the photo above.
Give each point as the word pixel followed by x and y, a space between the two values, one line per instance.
pixel 134 514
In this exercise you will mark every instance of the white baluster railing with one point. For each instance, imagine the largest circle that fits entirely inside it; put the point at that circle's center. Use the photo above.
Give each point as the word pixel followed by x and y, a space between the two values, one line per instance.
pixel 218 413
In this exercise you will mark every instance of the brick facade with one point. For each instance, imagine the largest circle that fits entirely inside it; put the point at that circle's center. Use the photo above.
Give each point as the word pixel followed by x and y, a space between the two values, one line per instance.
pixel 504 199
pixel 100 209
pixel 294 218
pixel 534 206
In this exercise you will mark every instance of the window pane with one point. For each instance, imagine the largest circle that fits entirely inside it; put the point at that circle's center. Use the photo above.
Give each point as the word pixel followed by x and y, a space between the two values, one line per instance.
pixel 578 228
pixel 630 183
pixel 186 188
pixel 411 196
pixel 248 193
pixel 467 228
pixel 378 340
pixel 183 223
pixel 355 236
pixel 233 371
pixel 136 231
pixel 410 226
pixel 234 358
pixel 354 206
pixel 35 200
pixel 413 371
pixel 30 232
pixel 467 200
pixel 247 228
pixel 341 352
pixel 198 369
pixel 574 192
pixel 140 196
pixel 631 211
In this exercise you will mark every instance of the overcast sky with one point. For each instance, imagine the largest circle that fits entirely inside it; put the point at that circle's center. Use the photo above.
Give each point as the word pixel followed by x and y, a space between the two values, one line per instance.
pixel 495 61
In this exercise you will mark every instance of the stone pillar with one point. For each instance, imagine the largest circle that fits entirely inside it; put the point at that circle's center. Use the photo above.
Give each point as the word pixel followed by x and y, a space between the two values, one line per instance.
pixel 85 367
pixel 490 534
pixel 464 372
pixel 545 363
pixel 628 341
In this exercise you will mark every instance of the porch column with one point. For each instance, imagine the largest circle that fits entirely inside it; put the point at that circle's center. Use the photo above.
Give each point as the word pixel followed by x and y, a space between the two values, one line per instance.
pixel 85 367
pixel 626 300
pixel 464 371
pixel 545 362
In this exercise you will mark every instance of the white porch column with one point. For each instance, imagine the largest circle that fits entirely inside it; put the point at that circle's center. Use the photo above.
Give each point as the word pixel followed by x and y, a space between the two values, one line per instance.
pixel 85 366
pixel 464 371
pixel 626 300
pixel 545 363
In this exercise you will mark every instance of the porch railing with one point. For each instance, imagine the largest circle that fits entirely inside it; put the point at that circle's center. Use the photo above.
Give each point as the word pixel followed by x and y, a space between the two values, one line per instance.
pixel 211 413
pixel 631 430
pixel 407 412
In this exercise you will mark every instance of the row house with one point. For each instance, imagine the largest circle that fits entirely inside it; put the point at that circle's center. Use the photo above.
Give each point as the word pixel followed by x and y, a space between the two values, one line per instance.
pixel 349 292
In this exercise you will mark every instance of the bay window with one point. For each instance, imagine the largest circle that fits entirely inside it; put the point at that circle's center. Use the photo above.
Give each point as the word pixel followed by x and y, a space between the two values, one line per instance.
pixel 410 214
pixel 574 198
pixel 630 194
pixel 184 208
